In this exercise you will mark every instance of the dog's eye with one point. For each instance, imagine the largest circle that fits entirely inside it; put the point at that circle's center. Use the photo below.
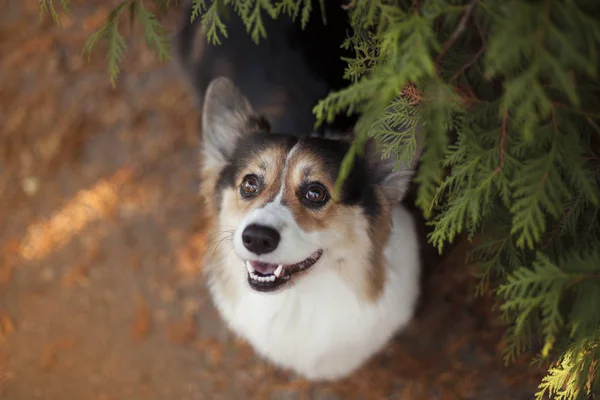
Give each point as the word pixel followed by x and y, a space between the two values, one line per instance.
pixel 249 186
pixel 316 194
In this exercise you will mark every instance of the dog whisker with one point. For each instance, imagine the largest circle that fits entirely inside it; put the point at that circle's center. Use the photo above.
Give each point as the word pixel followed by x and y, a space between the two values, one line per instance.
pixel 218 240
pixel 215 248
pixel 212 234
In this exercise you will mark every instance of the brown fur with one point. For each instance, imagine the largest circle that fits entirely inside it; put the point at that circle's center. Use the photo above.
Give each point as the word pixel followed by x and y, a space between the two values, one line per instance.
pixel 269 165
pixel 380 229
pixel 303 166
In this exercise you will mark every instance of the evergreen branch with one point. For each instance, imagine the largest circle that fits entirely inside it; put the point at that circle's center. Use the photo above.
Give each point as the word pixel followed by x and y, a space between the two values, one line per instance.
pixel 253 20
pixel 517 343
pixel 573 375
pixel 306 13
pixel 154 33
pixel 503 142
pixel 66 6
pixel 575 110
pixel 116 42
pixel 539 189
pixel 48 6
pixel 290 7
pixel 212 24
pixel 527 290
pixel 556 230
pixel 494 257
pixel 477 55
pixel 198 7
pixel 116 50
pixel 460 28
pixel 593 124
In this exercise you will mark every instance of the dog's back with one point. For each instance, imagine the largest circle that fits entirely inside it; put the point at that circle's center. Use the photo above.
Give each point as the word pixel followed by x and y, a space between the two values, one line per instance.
pixel 284 76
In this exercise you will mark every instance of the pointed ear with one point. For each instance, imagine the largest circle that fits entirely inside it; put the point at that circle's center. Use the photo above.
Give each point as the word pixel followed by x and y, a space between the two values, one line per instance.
pixel 227 116
pixel 393 179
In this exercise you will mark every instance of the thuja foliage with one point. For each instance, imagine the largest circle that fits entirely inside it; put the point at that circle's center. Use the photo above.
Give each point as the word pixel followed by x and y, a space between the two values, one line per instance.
pixel 505 94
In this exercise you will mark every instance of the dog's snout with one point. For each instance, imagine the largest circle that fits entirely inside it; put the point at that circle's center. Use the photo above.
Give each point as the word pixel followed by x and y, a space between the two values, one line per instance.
pixel 260 239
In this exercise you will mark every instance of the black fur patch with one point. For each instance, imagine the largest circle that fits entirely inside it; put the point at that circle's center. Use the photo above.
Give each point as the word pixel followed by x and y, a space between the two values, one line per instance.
pixel 358 189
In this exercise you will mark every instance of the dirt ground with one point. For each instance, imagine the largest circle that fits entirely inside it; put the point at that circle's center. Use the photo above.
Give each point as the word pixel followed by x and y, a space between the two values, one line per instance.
pixel 101 235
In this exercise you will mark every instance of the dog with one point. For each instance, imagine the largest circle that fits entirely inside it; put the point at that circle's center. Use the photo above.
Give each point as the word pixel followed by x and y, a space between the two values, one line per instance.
pixel 317 281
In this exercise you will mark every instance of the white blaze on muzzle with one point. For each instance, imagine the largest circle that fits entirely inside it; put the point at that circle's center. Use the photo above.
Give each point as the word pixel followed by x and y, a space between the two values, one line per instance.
pixel 294 244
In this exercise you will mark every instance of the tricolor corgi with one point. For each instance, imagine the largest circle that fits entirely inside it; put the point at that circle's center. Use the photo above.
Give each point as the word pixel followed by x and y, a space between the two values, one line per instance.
pixel 316 281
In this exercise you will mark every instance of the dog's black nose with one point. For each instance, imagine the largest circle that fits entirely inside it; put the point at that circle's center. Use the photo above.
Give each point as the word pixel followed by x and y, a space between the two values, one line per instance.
pixel 260 239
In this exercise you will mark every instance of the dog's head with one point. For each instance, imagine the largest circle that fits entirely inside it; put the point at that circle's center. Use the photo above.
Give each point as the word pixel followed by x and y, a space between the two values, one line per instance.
pixel 274 194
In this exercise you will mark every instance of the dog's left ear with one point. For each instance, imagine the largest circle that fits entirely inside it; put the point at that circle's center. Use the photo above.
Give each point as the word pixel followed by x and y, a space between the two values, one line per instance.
pixel 227 116
pixel 393 180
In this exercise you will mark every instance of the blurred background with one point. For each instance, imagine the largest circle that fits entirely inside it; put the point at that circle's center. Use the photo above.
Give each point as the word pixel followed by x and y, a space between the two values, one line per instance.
pixel 101 239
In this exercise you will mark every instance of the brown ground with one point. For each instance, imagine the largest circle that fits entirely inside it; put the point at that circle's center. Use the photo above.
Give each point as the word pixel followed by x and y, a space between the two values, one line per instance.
pixel 101 235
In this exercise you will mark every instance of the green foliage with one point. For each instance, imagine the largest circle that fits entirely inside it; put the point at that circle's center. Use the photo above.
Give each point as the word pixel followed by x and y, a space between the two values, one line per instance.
pixel 155 34
pixel 504 95
pixel 48 6
pixel 115 41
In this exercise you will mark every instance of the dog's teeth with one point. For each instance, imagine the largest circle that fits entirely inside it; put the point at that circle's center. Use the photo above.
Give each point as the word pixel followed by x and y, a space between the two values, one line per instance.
pixel 277 272
pixel 253 276
pixel 249 267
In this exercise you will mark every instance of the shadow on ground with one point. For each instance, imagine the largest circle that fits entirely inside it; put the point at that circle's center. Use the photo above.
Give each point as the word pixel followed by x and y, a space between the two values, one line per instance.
pixel 101 234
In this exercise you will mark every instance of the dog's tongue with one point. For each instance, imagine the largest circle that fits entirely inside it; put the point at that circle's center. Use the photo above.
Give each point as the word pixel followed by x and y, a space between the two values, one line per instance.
pixel 264 268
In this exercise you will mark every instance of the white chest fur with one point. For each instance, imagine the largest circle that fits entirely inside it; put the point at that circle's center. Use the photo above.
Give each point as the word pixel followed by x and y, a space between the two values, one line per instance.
pixel 320 327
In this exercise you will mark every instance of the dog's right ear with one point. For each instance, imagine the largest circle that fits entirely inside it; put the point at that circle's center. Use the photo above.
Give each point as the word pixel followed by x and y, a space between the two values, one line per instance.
pixel 227 116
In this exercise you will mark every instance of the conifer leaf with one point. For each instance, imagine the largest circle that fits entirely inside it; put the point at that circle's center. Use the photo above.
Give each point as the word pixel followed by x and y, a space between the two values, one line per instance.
pixel 154 33
pixel 116 50
pixel 116 44
pixel 290 7
pixel 47 6
pixel 198 7
pixel 539 190
pixel 212 24
pixel 65 5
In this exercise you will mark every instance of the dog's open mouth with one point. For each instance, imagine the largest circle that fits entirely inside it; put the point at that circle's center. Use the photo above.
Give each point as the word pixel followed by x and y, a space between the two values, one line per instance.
pixel 266 277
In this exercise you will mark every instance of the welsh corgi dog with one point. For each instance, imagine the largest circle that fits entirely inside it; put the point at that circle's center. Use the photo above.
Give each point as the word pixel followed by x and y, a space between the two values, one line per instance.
pixel 317 281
